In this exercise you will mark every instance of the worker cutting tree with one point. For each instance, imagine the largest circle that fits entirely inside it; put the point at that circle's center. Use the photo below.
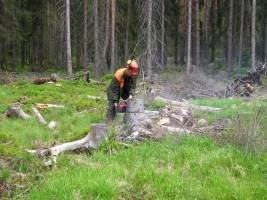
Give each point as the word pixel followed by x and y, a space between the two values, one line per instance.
pixel 122 86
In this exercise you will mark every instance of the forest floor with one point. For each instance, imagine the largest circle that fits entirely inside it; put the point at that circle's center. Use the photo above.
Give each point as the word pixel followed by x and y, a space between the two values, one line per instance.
pixel 231 165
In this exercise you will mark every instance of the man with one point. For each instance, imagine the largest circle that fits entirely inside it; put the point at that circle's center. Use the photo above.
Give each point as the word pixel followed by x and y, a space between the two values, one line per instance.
pixel 122 86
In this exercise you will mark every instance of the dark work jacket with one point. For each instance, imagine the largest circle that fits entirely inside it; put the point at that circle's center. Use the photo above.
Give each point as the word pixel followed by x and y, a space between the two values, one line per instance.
pixel 116 90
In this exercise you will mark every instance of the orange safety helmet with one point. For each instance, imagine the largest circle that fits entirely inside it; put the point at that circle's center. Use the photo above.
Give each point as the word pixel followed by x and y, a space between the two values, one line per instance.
pixel 133 67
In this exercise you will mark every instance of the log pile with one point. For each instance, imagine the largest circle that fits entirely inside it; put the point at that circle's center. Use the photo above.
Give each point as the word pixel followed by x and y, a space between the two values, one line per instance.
pixel 52 78
pixel 245 85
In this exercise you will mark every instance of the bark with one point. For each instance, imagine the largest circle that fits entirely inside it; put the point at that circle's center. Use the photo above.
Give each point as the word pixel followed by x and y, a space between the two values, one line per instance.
pixel 213 29
pixel 149 38
pixel 265 39
pixel 85 40
pixel 107 30
pixel 96 40
pixel 113 26
pixel 197 35
pixel 241 35
pixel 69 60
pixel 188 68
pixel 126 50
pixel 206 30
pixel 253 36
pixel 230 37
pixel 162 34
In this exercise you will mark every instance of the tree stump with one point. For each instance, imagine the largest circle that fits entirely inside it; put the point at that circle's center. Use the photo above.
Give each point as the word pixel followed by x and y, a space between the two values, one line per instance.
pixel 98 134
pixel 15 111
pixel 135 115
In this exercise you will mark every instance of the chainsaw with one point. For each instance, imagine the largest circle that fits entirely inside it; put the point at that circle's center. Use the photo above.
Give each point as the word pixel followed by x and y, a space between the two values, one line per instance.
pixel 121 107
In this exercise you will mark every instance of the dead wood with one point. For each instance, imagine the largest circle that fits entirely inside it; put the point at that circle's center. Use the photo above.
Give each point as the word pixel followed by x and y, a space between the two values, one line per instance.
pixel 187 104
pixel 52 78
pixel 15 111
pixel 46 105
pixel 90 141
pixel 38 115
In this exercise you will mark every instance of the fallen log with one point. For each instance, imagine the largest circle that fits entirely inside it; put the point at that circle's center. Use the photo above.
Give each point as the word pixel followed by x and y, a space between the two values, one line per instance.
pixel 52 78
pixel 15 111
pixel 38 115
pixel 90 141
pixel 47 105
pixel 187 104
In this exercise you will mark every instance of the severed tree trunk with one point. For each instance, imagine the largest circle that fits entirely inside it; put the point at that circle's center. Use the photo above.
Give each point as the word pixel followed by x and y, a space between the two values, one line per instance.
pixel 126 50
pixel 15 111
pixel 85 40
pixel 69 61
pixel 230 38
pixel 253 36
pixel 113 25
pixel 149 38
pixel 197 35
pixel 241 35
pixel 98 134
pixel 188 65
pixel 162 54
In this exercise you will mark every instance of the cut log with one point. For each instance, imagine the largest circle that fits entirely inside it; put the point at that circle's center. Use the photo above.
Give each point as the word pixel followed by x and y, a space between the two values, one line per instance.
pixel 91 140
pixel 38 115
pixel 15 111
pixel 187 104
pixel 53 78
pixel 46 105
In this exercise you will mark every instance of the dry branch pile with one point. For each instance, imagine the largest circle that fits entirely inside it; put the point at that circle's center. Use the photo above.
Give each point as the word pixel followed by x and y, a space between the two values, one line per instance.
pixel 245 85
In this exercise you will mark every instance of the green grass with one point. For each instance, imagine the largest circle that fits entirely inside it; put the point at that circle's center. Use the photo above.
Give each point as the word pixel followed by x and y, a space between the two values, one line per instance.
pixel 174 168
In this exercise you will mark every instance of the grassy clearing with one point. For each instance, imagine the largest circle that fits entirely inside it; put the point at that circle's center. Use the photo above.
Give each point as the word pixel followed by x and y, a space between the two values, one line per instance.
pixel 175 168
pixel 185 168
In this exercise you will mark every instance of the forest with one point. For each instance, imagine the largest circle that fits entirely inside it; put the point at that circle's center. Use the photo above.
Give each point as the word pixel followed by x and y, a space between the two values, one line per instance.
pixel 195 126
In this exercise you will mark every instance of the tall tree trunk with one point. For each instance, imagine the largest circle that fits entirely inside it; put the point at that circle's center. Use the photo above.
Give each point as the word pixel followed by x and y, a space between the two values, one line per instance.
pixel 213 29
pixel 230 37
pixel 113 21
pixel 107 30
pixel 197 35
pixel 206 31
pixel 85 41
pixel 162 54
pixel 69 61
pixel 265 39
pixel 241 35
pixel 189 24
pixel 149 38
pixel 253 37
pixel 96 40
pixel 126 49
